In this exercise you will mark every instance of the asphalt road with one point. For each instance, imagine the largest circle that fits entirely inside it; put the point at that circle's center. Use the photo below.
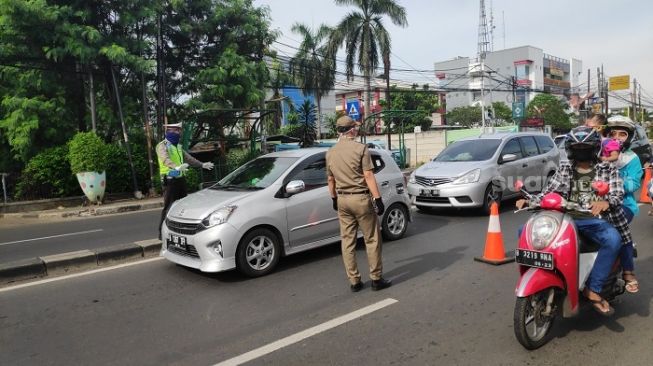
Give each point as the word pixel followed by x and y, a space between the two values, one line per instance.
pixel 29 239
pixel 449 310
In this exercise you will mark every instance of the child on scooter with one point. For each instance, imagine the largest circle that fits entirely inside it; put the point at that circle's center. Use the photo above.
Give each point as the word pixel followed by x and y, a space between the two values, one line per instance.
pixel 622 129
pixel 610 148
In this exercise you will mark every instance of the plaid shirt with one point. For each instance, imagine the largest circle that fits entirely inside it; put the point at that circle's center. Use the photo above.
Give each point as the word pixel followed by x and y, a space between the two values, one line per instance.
pixel 561 183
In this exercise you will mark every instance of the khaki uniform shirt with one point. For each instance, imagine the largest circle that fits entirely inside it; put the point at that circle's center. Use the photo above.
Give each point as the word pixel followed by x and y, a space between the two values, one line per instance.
pixel 346 162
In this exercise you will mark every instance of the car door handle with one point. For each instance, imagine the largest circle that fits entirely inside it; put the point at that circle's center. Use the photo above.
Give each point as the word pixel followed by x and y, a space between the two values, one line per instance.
pixel 544 161
pixel 385 184
pixel 524 165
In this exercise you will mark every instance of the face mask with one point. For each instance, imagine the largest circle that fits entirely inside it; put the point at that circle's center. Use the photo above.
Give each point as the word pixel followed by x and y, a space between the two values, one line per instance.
pixel 173 137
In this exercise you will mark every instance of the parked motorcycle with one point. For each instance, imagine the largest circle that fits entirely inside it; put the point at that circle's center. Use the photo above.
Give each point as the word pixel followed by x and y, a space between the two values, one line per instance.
pixel 554 263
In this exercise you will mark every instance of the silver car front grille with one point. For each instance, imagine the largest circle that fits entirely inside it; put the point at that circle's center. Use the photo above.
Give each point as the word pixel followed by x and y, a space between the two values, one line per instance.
pixel 189 252
pixel 432 182
pixel 184 228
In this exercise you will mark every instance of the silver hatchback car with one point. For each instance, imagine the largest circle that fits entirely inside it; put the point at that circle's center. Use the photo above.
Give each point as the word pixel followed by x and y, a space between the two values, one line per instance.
pixel 273 206
pixel 472 171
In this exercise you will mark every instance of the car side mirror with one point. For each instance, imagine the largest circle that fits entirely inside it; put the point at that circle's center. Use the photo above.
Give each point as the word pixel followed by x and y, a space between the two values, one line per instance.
pixel 294 187
pixel 506 158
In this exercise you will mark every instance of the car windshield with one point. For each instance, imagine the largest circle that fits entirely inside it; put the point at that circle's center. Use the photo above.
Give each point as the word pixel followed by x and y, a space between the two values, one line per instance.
pixel 257 174
pixel 469 150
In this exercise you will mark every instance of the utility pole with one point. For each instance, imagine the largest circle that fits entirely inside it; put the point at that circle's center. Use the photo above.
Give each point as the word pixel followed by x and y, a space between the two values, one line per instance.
pixel 160 76
pixel 605 92
pixel 633 98
pixel 641 110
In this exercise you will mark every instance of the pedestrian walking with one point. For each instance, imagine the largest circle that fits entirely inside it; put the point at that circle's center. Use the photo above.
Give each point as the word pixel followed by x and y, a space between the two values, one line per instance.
pixel 356 197
pixel 173 164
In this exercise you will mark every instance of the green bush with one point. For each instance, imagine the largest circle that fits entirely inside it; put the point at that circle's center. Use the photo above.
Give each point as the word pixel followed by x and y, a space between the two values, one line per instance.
pixel 119 178
pixel 47 175
pixel 236 158
pixel 87 153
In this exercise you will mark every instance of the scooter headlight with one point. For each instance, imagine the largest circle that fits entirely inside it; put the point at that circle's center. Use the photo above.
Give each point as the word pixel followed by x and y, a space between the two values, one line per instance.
pixel 543 230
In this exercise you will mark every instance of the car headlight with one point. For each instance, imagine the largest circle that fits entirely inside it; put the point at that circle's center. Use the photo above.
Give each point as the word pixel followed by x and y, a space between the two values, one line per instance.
pixel 469 177
pixel 543 230
pixel 219 216
pixel 412 179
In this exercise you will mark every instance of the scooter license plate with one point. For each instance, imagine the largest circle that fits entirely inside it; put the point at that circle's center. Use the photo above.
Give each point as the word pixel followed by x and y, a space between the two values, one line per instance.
pixel 177 241
pixel 532 258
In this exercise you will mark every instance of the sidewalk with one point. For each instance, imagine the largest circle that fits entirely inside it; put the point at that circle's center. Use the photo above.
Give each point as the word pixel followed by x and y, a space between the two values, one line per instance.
pixel 114 207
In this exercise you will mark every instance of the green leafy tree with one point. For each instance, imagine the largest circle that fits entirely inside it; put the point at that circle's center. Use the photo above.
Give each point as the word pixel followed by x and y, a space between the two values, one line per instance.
pixel 467 116
pixel 414 99
pixel 551 109
pixel 312 68
pixel 365 38
pixel 502 112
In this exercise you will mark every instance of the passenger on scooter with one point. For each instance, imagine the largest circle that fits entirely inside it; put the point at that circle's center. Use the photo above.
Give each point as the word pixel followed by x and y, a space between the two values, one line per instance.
pixel 573 181
pixel 630 169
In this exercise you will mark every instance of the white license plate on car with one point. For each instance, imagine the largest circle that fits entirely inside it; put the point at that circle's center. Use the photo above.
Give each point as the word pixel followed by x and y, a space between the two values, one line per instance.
pixel 430 192
pixel 177 241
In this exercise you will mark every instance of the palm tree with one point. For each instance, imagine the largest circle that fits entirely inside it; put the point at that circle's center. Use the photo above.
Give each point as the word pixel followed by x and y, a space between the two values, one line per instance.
pixel 312 68
pixel 306 114
pixel 365 38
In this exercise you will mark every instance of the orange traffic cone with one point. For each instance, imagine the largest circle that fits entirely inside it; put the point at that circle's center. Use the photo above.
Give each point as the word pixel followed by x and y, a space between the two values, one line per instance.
pixel 494 252
pixel 643 195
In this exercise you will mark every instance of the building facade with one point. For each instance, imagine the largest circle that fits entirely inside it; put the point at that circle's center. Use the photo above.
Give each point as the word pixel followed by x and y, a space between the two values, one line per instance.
pixel 511 75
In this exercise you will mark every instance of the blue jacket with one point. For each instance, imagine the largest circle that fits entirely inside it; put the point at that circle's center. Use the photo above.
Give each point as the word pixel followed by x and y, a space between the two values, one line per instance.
pixel 630 170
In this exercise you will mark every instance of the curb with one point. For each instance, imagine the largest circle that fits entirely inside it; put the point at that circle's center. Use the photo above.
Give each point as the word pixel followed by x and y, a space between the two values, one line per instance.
pixel 77 261
pixel 99 211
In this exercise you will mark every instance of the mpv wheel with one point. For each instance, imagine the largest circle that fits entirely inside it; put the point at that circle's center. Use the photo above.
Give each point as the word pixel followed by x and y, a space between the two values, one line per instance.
pixel 395 222
pixel 258 253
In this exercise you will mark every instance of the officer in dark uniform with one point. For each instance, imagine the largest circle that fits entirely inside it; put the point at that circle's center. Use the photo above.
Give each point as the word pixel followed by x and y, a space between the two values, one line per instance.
pixel 356 197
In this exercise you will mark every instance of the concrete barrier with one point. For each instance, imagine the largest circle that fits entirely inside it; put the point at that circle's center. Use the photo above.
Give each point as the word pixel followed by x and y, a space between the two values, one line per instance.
pixel 78 261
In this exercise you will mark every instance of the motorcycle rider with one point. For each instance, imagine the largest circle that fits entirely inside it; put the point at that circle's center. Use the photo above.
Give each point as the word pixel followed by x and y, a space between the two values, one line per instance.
pixel 630 169
pixel 573 181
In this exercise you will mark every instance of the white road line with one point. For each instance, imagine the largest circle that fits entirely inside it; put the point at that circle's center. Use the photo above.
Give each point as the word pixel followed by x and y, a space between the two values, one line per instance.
pixel 298 337
pixel 54 279
pixel 52 236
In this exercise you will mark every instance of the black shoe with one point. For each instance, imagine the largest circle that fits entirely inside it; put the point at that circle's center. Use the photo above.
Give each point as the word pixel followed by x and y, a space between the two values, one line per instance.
pixel 357 287
pixel 380 284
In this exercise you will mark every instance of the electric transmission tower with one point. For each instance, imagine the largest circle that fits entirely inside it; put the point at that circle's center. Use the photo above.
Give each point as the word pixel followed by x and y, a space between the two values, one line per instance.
pixel 483 49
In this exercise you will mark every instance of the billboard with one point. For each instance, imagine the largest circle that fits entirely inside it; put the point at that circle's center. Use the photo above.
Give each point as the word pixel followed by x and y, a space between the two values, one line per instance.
pixel 621 82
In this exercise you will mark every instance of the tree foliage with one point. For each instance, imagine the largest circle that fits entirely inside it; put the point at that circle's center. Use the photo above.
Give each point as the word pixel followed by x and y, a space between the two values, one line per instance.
pixel 365 38
pixel 502 113
pixel 414 99
pixel 213 57
pixel 467 116
pixel 552 109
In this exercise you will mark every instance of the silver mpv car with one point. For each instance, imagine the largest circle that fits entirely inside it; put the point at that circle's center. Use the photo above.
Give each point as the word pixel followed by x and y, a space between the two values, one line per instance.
pixel 273 206
pixel 472 171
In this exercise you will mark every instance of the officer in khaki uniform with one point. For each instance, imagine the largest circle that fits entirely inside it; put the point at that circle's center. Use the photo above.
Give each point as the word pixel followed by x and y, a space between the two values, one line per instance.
pixel 352 186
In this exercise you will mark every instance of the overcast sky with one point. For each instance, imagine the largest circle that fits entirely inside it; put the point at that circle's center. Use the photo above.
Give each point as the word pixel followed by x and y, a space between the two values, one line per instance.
pixel 617 34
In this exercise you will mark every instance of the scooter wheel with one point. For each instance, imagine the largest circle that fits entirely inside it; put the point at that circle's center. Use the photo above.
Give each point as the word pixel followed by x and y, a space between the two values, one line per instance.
pixel 532 328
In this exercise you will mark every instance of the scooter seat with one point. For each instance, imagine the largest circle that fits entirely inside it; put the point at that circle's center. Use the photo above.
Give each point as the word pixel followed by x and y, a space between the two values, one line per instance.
pixel 586 245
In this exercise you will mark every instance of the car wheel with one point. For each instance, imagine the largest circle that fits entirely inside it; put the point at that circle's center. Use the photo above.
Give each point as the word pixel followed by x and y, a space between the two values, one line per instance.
pixel 488 198
pixel 258 253
pixel 395 222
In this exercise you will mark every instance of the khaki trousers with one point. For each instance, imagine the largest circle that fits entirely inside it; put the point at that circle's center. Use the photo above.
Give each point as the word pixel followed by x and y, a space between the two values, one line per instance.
pixel 355 212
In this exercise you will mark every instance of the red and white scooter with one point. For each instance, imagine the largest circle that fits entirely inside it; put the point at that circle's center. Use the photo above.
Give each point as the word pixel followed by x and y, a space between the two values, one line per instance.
pixel 554 263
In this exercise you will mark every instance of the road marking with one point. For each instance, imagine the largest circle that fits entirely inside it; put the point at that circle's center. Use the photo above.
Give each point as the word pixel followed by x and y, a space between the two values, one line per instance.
pixel 52 236
pixel 48 280
pixel 298 337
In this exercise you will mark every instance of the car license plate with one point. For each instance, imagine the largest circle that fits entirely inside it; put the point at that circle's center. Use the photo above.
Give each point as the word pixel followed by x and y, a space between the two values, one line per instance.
pixel 177 241
pixel 430 192
pixel 532 258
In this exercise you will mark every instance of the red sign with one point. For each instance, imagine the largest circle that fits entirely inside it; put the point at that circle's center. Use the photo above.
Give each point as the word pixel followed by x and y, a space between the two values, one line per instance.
pixel 523 62
pixel 532 122
pixel 524 82
pixel 440 75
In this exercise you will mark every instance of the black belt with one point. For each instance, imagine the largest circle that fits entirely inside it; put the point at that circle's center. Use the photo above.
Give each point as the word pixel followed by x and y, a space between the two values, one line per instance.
pixel 355 192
